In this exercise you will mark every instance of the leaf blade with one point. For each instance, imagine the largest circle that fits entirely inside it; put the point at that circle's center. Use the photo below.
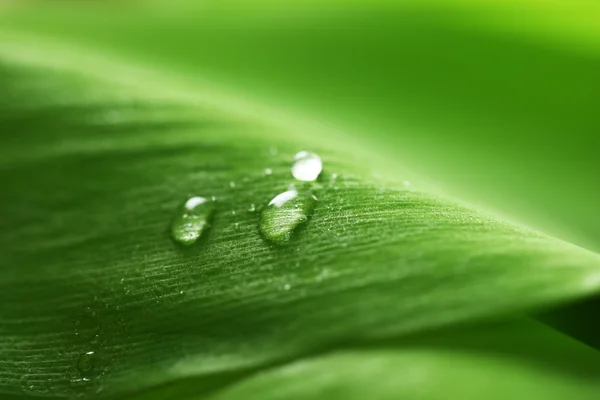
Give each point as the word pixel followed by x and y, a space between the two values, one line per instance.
pixel 87 203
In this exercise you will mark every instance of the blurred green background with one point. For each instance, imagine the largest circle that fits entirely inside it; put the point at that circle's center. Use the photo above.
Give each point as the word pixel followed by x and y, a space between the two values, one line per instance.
pixel 495 101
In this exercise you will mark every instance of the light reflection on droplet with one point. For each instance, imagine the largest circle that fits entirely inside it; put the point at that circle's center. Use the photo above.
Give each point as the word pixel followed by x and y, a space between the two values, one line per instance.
pixel 191 220
pixel 284 214
pixel 307 166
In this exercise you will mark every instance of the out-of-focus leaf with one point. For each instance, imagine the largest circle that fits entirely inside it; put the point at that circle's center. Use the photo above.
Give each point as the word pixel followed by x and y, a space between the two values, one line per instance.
pixel 508 361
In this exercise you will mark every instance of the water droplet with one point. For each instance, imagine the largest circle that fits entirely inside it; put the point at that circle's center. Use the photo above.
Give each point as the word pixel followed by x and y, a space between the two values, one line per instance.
pixel 286 287
pixel 85 362
pixel 79 382
pixel 192 220
pixel 95 339
pixel 232 212
pixel 236 227
pixel 252 208
pixel 307 166
pixel 232 184
pixel 284 214
pixel 268 171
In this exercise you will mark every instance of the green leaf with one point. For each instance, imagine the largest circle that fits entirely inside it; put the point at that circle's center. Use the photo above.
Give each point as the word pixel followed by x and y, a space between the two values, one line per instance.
pixel 98 153
pixel 496 101
pixel 508 361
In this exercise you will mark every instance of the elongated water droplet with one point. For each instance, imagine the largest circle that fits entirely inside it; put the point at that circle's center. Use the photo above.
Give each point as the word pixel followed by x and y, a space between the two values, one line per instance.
pixel 307 166
pixel 78 383
pixel 284 214
pixel 191 220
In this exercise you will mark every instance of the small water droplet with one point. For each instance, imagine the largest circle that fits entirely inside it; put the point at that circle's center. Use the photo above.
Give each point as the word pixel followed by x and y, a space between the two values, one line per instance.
pixel 284 214
pixel 252 208
pixel 268 171
pixel 232 184
pixel 334 176
pixel 236 227
pixel 307 166
pixel 232 212
pixel 85 362
pixel 95 339
pixel 79 382
pixel 192 219
pixel 286 287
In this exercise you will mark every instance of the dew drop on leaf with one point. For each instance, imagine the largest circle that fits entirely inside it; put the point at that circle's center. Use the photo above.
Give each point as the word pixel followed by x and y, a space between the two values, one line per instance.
pixel 307 166
pixel 85 362
pixel 192 219
pixel 79 382
pixel 284 214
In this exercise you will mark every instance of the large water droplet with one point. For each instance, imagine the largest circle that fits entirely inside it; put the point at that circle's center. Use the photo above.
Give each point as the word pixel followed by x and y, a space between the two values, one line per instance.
pixel 284 214
pixel 307 166
pixel 191 220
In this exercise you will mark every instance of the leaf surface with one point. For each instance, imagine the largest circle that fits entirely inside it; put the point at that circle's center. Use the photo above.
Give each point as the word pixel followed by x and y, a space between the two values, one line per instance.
pixel 97 156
